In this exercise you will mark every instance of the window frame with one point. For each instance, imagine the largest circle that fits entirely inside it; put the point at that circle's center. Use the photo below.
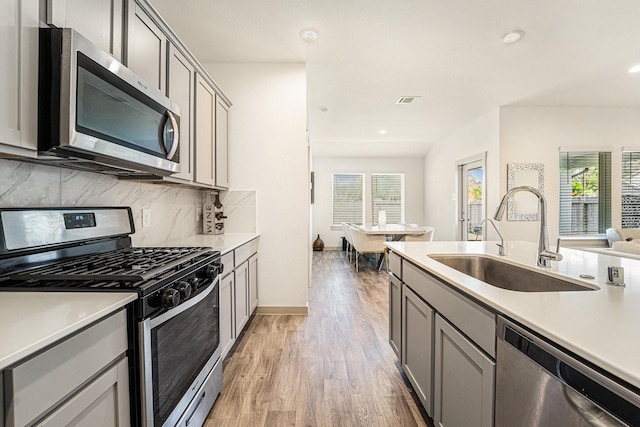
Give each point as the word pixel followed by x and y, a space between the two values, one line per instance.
pixel 333 201
pixel 630 221
pixel 374 215
pixel 566 224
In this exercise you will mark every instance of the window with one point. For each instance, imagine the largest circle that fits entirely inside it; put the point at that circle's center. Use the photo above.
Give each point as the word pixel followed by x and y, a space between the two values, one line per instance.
pixel 348 200
pixel 585 192
pixel 631 190
pixel 387 194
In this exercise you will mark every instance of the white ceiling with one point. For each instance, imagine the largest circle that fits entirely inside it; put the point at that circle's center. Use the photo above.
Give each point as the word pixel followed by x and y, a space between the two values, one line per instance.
pixel 448 52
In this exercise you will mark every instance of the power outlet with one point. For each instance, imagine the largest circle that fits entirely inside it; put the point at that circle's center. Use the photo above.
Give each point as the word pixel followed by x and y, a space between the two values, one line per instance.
pixel 146 217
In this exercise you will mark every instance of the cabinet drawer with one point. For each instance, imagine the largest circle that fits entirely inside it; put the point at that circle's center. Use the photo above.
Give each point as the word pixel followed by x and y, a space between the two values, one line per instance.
pixel 395 264
pixel 227 262
pixel 43 381
pixel 474 321
pixel 245 251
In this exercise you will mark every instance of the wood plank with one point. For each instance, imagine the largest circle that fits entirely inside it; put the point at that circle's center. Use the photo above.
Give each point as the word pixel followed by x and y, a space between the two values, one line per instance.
pixel 331 367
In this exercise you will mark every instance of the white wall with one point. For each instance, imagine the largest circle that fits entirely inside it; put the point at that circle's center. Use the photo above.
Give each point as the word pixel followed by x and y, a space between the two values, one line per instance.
pixel 324 167
pixel 268 153
pixel 440 173
pixel 535 134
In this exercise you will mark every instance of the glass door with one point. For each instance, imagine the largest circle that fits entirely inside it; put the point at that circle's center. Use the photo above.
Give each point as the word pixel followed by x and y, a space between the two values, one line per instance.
pixel 471 200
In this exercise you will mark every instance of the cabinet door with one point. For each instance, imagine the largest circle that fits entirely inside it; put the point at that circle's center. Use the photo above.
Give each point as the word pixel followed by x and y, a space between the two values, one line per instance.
pixel 205 132
pixel 464 380
pixel 98 20
pixel 417 346
pixel 395 315
pixel 227 306
pixel 180 89
pixel 146 47
pixel 104 401
pixel 253 283
pixel 222 143
pixel 19 75
pixel 242 296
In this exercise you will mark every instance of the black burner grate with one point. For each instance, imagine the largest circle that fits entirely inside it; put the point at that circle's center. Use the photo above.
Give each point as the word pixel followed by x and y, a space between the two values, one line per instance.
pixel 127 265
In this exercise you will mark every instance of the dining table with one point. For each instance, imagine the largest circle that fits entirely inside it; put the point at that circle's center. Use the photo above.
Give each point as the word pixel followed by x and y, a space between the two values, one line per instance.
pixel 394 231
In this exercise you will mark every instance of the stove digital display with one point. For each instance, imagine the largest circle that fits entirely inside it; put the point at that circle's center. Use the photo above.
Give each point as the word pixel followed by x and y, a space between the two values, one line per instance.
pixel 79 220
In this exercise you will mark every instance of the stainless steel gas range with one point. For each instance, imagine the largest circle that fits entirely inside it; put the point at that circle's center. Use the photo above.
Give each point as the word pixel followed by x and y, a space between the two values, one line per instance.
pixel 173 326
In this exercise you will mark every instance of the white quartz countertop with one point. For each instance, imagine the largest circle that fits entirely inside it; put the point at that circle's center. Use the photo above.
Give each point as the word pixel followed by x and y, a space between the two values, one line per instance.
pixel 602 326
pixel 219 242
pixel 33 320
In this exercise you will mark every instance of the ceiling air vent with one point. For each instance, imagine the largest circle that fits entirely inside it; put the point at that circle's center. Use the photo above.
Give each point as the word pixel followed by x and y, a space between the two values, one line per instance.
pixel 407 99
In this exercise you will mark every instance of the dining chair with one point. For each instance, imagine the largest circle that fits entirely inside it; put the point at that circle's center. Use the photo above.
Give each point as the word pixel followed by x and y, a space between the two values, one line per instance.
pixel 426 237
pixel 345 229
pixel 367 244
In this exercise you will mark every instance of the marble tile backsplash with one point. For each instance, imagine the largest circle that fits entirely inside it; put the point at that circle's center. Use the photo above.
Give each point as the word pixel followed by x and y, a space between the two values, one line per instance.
pixel 173 209
pixel 240 209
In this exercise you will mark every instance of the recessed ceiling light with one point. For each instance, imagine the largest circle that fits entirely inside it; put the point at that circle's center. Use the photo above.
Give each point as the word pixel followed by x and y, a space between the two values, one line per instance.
pixel 382 132
pixel 635 69
pixel 513 36
pixel 309 34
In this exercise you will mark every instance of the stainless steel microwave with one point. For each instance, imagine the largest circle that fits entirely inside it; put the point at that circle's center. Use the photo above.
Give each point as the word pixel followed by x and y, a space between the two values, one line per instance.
pixel 97 114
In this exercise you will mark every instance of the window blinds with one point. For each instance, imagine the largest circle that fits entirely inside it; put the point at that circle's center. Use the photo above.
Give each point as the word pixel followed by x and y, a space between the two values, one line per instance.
pixel 387 194
pixel 348 200
pixel 585 192
pixel 631 190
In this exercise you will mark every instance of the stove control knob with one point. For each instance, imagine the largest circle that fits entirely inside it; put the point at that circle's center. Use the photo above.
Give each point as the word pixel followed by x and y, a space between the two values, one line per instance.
pixel 170 298
pixel 213 270
pixel 195 282
pixel 185 290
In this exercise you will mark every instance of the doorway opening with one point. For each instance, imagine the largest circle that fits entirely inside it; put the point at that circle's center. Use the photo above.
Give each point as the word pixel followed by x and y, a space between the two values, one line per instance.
pixel 471 197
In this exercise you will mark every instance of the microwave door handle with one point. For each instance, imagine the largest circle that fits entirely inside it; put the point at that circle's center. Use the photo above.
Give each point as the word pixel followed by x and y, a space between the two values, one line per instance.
pixel 176 135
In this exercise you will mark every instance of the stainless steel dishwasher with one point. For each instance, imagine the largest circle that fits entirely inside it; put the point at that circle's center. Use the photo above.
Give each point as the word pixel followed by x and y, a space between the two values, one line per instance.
pixel 539 385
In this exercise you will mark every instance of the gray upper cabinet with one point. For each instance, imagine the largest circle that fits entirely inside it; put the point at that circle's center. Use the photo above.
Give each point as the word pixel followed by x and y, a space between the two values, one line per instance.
pixel 205 133
pixel 146 47
pixel 101 21
pixel 222 143
pixel 181 88
pixel 19 76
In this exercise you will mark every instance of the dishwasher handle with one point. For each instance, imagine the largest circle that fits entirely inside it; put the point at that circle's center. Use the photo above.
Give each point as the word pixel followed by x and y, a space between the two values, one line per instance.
pixel 582 381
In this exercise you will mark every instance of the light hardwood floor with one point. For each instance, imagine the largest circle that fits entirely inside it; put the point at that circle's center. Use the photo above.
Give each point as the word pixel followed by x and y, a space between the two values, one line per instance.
pixel 333 367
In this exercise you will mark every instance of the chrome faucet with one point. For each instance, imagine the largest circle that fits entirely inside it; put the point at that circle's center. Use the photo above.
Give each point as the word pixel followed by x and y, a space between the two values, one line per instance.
pixel 545 256
pixel 501 244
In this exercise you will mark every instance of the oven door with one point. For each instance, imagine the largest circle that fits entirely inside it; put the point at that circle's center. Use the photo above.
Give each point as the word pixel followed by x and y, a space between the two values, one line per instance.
pixel 179 348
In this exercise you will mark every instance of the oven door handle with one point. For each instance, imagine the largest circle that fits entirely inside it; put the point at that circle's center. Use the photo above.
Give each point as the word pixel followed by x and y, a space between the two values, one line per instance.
pixel 154 322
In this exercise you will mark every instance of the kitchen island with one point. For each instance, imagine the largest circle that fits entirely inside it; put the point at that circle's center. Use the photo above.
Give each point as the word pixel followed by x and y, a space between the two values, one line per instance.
pixel 598 326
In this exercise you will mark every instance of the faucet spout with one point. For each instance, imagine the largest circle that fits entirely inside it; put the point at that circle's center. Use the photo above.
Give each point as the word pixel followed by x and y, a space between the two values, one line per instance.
pixel 545 256
pixel 501 244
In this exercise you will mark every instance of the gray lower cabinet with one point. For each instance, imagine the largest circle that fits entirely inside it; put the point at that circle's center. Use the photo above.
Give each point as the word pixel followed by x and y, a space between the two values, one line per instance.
pixel 242 295
pixel 464 380
pixel 83 380
pixel 103 402
pixel 395 315
pixel 253 283
pixel 227 302
pixel 417 346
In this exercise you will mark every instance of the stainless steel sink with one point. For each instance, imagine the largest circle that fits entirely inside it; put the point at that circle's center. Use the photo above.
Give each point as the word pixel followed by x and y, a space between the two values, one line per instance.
pixel 508 276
